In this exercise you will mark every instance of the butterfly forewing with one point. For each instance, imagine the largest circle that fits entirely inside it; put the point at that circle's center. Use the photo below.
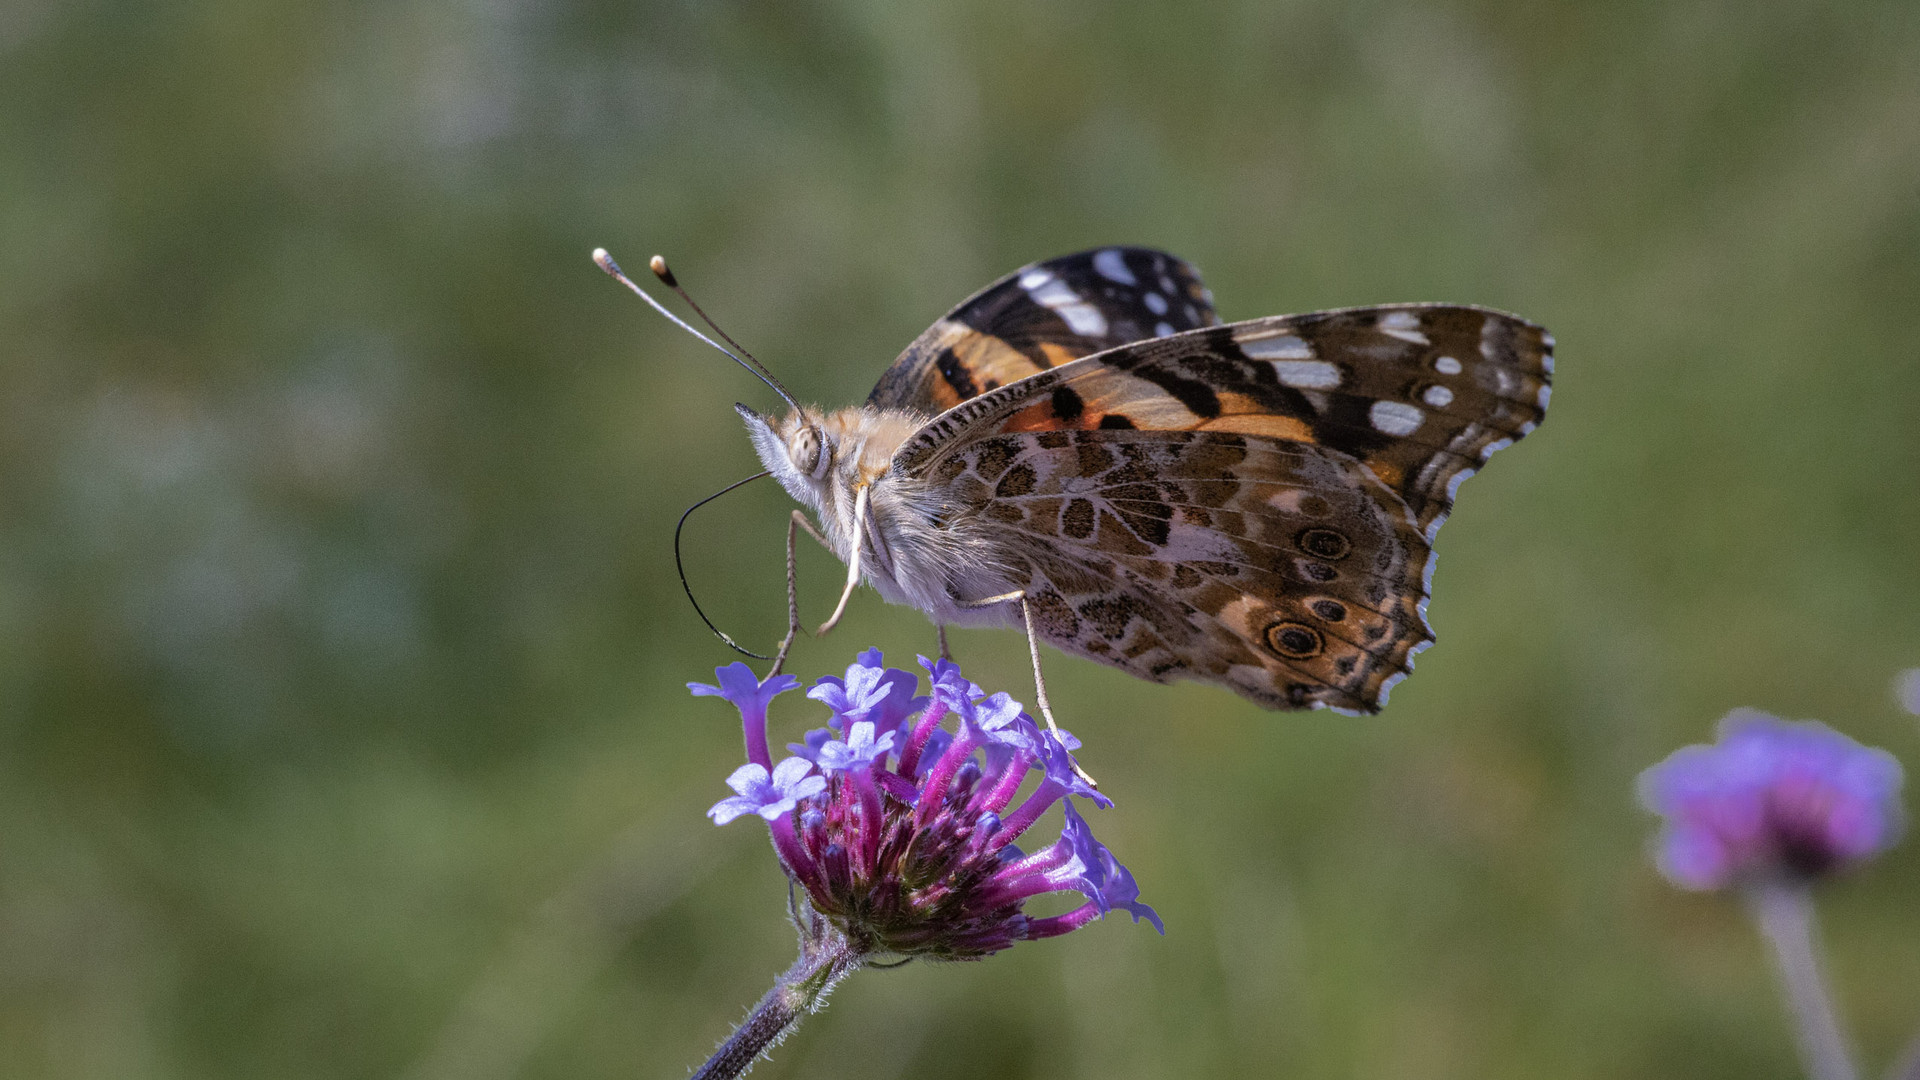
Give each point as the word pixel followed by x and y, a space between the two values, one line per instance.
pixel 1040 317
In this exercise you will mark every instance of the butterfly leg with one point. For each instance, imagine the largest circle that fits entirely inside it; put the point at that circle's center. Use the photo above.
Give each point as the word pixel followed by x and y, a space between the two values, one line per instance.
pixel 1040 685
pixel 853 563
pixel 1039 681
pixel 794 524
pixel 940 631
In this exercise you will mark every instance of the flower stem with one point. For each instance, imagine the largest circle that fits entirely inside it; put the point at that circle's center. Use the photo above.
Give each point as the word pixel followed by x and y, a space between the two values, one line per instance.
pixel 1908 1066
pixel 1786 918
pixel 826 957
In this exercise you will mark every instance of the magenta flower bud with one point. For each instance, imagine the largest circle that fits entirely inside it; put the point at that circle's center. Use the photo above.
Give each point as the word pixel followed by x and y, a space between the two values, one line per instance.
pixel 1771 801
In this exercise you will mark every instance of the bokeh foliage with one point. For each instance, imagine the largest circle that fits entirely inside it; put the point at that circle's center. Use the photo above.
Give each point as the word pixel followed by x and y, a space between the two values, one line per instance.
pixel 341 730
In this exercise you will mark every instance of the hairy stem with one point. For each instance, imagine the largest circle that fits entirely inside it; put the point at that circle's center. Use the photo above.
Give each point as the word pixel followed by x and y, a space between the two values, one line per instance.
pixel 826 957
pixel 1786 918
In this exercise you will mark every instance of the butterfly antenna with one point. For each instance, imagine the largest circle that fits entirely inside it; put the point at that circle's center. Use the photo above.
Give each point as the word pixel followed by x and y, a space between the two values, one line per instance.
pixel 659 265
pixel 680 567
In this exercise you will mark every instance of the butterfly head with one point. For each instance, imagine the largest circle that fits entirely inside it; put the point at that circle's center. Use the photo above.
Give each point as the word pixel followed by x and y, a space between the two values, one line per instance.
pixel 796 448
pixel 820 457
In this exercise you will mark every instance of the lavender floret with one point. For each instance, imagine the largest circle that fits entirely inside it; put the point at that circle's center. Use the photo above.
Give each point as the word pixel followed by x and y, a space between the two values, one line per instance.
pixel 744 690
pixel 770 796
pixel 861 749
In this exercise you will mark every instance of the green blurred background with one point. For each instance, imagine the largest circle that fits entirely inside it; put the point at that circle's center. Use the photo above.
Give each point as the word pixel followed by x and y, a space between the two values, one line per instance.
pixel 342 730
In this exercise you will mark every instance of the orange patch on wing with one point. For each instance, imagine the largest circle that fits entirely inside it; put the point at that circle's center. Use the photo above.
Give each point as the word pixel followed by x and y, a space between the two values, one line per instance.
pixel 1389 473
pixel 1038 416
pixel 943 395
pixel 990 360
pixel 1057 353
pixel 1267 424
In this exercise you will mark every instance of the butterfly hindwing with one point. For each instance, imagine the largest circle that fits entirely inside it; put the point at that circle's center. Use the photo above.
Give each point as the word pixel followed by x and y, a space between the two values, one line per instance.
pixel 1258 500
pixel 1040 317
pixel 1281 569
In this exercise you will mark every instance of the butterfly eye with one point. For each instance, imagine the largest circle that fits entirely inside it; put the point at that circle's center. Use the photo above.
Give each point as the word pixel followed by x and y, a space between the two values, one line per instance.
pixel 808 452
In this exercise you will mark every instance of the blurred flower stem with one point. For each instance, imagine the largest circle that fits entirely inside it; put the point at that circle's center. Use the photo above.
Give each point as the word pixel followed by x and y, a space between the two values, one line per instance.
pixel 1908 1065
pixel 1784 910
pixel 826 957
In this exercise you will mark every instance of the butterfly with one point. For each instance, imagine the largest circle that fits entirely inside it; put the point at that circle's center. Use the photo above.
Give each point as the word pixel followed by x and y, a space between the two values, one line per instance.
pixel 1083 447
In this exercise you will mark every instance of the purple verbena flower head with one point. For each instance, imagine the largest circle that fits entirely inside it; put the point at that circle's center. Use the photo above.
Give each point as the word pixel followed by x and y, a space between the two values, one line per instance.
pixel 1771 801
pixel 902 834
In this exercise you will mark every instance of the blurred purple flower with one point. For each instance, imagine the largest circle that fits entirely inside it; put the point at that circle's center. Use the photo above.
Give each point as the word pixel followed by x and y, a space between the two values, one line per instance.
pixel 905 845
pixel 1771 801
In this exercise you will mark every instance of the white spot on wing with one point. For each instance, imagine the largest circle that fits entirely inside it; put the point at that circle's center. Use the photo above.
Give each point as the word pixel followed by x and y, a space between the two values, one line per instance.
pixel 1438 396
pixel 1053 292
pixel 1307 374
pixel 1035 278
pixel 1156 303
pixel 1162 329
pixel 1082 317
pixel 1433 527
pixel 1395 417
pixel 1446 365
pixel 1498 444
pixel 1113 267
pixel 1085 319
pixel 1546 392
pixel 1404 325
pixel 1284 347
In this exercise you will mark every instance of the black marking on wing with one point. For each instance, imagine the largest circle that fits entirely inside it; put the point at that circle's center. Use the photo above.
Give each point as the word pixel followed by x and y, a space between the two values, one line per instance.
pixel 1026 322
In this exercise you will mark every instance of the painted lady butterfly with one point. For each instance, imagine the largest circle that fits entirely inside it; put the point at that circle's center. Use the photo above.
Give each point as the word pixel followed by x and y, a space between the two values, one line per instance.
pixel 1082 446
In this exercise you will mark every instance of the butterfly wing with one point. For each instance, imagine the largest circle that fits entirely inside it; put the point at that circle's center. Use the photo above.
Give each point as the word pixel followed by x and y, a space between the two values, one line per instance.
pixel 1040 317
pixel 1250 504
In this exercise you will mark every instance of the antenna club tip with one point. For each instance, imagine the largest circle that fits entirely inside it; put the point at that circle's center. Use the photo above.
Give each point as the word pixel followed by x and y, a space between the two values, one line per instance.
pixel 659 267
pixel 605 261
